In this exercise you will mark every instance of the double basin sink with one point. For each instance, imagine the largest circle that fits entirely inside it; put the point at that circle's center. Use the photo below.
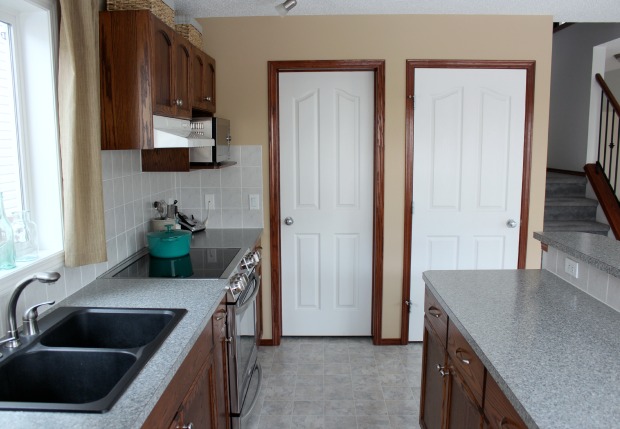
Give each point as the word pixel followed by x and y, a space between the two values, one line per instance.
pixel 84 358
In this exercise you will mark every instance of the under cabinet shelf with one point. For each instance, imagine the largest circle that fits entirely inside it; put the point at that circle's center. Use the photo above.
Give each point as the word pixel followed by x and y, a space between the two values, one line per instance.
pixel 205 166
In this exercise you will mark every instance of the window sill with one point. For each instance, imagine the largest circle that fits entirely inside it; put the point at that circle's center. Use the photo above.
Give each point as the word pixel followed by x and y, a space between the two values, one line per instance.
pixel 47 261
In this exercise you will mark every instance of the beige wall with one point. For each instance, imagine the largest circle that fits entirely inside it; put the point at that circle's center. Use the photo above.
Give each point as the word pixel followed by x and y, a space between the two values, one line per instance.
pixel 242 47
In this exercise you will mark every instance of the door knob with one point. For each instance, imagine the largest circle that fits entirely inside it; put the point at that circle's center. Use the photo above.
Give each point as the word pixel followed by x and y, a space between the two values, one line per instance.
pixel 511 223
pixel 289 221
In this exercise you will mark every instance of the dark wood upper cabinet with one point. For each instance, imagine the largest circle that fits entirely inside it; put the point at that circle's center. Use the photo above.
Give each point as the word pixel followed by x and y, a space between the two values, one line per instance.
pixel 162 72
pixel 147 68
pixel 203 77
pixel 182 78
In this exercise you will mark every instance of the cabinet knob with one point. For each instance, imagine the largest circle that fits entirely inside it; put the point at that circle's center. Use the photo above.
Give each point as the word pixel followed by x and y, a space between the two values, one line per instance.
pixel 189 426
pixel 208 98
pixel 434 311
pixel 463 356
pixel 179 102
pixel 229 340
pixel 441 370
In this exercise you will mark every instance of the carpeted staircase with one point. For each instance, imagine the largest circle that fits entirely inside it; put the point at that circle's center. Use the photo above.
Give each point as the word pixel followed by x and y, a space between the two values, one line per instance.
pixel 567 208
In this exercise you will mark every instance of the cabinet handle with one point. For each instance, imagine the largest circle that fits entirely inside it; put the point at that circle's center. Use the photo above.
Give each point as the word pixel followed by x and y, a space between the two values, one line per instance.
pixel 208 98
pixel 501 423
pixel 460 353
pixel 189 426
pixel 179 102
pixel 434 311
pixel 229 340
pixel 441 370
pixel 219 318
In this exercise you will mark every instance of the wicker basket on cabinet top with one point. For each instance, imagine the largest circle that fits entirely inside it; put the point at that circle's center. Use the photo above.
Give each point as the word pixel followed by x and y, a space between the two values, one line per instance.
pixel 190 29
pixel 159 8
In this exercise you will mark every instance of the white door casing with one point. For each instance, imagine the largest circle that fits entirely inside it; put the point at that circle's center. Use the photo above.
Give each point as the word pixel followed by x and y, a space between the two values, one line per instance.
pixel 326 188
pixel 467 173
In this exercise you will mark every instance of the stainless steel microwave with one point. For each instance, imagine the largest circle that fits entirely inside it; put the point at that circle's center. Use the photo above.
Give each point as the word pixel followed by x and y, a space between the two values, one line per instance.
pixel 217 129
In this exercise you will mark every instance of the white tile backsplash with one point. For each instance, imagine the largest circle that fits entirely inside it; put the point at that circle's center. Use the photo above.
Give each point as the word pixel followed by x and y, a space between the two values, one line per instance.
pixel 591 280
pixel 128 196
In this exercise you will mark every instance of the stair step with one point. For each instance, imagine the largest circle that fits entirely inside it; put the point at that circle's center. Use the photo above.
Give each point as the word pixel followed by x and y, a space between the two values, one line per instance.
pixel 582 209
pixel 565 185
pixel 578 226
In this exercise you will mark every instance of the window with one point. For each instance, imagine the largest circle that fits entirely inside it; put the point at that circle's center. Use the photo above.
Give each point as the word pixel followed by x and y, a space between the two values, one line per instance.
pixel 29 151
pixel 10 181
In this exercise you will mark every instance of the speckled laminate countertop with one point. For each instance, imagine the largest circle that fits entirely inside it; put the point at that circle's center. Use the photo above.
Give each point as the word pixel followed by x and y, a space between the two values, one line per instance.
pixel 597 250
pixel 199 297
pixel 553 350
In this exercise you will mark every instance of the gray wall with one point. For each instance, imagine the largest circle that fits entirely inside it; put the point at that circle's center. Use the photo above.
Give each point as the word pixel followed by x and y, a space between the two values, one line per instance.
pixel 571 68
pixel 613 81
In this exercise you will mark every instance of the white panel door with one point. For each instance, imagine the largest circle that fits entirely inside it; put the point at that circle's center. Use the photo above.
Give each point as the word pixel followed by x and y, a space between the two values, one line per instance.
pixel 467 173
pixel 326 190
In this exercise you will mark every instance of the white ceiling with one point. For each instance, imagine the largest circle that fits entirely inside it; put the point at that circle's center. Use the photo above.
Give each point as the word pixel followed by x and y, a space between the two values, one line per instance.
pixel 561 10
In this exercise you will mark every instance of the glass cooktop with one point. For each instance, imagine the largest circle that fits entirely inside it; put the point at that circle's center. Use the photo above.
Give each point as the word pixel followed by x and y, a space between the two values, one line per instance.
pixel 199 264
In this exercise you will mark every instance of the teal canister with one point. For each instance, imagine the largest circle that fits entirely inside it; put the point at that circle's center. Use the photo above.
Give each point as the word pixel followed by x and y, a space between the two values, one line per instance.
pixel 7 246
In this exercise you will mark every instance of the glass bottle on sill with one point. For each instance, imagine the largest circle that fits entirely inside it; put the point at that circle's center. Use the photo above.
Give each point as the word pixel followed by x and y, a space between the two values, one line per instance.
pixel 7 246
pixel 25 237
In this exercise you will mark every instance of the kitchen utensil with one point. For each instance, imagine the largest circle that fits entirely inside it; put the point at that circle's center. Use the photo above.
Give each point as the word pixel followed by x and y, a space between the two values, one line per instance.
pixel 170 243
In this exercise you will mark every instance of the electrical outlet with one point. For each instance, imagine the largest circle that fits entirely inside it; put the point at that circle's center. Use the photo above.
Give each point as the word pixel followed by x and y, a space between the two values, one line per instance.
pixel 571 267
pixel 209 201
pixel 254 202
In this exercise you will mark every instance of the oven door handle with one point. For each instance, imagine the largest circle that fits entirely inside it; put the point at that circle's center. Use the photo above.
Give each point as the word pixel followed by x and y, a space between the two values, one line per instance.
pixel 251 298
pixel 246 411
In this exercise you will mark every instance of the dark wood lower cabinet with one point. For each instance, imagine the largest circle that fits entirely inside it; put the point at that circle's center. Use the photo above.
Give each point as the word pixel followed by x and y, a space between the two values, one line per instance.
pixel 433 385
pixel 197 396
pixel 198 409
pixel 220 361
pixel 462 411
pixel 457 391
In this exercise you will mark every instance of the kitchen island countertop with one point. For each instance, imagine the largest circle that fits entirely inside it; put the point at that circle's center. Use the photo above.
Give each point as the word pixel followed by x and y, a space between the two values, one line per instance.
pixel 553 349
pixel 199 297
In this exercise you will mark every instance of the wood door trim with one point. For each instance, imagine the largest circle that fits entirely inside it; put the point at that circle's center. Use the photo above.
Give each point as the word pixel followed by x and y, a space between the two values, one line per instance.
pixel 274 68
pixel 530 68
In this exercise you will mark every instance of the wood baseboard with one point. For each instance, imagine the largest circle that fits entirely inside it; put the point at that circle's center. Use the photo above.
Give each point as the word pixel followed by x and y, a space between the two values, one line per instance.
pixel 572 173
pixel 266 342
pixel 390 342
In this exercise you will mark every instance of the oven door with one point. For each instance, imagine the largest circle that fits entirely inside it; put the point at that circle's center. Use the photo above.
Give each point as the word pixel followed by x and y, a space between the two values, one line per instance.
pixel 244 352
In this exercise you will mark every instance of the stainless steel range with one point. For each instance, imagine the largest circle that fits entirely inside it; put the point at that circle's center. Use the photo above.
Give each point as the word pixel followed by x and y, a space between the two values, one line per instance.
pixel 244 369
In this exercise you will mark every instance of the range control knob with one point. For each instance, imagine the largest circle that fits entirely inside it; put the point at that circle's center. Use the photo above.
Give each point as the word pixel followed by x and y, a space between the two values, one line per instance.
pixel 250 260
pixel 238 283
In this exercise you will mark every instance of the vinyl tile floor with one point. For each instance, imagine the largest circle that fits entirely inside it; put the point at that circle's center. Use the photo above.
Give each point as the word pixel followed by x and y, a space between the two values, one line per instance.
pixel 338 383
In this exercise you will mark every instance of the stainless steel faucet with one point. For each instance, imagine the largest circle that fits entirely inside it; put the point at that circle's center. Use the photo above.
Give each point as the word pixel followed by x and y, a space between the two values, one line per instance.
pixel 12 340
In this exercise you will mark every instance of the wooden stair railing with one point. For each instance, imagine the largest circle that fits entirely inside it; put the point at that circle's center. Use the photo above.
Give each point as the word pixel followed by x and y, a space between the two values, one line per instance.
pixel 605 195
pixel 603 175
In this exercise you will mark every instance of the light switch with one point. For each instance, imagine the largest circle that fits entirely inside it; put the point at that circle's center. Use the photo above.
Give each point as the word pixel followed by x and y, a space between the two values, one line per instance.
pixel 254 202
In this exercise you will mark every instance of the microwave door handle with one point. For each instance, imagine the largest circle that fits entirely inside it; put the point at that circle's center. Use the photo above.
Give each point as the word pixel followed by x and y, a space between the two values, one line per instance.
pixel 250 299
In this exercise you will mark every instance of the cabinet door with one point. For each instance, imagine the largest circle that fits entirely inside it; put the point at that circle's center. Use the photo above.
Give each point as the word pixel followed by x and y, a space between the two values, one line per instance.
pixel 182 78
pixel 462 411
pixel 162 73
pixel 220 359
pixel 199 72
pixel 198 408
pixel 433 383
pixel 209 84
pixel 203 81
pixel 498 410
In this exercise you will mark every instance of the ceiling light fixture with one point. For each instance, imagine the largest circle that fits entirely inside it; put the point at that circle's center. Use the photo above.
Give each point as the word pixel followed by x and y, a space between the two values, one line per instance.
pixel 286 7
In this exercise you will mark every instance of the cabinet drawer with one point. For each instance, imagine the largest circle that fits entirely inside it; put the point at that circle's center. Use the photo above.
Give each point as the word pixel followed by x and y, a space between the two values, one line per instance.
pixel 498 411
pixel 466 362
pixel 437 317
